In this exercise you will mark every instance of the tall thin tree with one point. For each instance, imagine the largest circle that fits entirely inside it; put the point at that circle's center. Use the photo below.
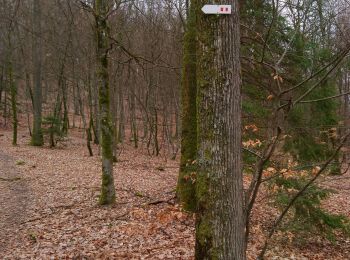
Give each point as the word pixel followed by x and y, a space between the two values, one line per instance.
pixel 37 136
pixel 102 33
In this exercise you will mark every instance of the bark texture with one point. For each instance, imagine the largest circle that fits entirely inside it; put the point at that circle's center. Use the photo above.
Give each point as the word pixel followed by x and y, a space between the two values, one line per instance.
pixel 107 189
pixel 219 188
pixel 13 92
pixel 186 180
pixel 37 136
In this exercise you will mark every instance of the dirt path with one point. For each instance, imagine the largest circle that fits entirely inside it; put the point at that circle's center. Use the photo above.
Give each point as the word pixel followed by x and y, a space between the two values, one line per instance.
pixel 13 199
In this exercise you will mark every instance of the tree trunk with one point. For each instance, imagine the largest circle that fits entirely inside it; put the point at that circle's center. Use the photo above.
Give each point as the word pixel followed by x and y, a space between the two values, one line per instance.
pixel 1 83
pixel 121 123
pixel 13 94
pixel 133 123
pixel 65 123
pixel 107 190
pixel 37 136
pixel 92 109
pixel 219 188
pixel 185 183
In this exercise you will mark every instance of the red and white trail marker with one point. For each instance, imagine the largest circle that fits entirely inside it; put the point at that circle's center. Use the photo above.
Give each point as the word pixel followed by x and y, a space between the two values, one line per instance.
pixel 216 9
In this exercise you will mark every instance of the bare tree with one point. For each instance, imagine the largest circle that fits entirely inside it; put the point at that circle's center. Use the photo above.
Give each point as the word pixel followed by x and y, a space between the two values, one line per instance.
pixel 107 189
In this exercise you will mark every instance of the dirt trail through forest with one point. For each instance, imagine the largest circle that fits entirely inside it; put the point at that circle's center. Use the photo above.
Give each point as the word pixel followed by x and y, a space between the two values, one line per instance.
pixel 14 196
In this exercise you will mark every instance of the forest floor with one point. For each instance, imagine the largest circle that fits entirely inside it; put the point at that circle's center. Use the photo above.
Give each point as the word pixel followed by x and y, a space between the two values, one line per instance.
pixel 49 208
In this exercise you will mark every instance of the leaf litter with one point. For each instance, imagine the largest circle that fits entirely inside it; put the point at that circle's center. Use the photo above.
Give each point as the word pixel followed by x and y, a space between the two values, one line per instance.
pixel 59 216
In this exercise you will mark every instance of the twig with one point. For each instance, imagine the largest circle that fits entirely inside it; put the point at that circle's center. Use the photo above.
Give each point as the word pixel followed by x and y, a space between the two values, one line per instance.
pixel 313 75
pixel 252 152
pixel 322 79
pixel 326 98
pixel 296 196
pixel 250 196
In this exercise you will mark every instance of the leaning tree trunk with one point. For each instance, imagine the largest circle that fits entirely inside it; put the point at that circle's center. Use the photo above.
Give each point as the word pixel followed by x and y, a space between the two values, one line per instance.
pixel 185 183
pixel 219 188
pixel 37 136
pixel 107 190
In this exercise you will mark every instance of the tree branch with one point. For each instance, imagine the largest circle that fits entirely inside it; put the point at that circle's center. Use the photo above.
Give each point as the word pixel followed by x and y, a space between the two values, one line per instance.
pixel 296 196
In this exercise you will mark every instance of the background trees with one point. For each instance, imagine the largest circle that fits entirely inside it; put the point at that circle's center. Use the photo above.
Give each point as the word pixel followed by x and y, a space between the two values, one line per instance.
pixel 295 86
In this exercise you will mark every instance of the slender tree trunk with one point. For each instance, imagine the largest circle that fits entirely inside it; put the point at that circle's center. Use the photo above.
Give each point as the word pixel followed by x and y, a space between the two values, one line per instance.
pixel 89 137
pixel 133 123
pixel 107 190
pixel 1 83
pixel 65 122
pixel 13 95
pixel 96 125
pixel 219 188
pixel 155 136
pixel 46 90
pixel 37 136
pixel 5 108
pixel 12 86
pixel 121 123
pixel 347 118
pixel 185 183
pixel 92 109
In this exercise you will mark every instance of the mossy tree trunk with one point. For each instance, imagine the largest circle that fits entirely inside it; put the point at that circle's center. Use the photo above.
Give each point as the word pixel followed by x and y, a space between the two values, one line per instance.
pixel 37 136
pixel 219 186
pixel 186 179
pixel 107 189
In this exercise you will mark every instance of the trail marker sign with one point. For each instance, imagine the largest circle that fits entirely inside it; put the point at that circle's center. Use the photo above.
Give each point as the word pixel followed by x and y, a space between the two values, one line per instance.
pixel 216 9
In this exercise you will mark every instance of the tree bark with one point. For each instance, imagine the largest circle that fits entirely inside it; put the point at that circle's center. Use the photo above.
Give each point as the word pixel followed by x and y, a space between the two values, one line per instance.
pixel 185 183
pixel 107 190
pixel 219 188
pixel 37 136
pixel 13 94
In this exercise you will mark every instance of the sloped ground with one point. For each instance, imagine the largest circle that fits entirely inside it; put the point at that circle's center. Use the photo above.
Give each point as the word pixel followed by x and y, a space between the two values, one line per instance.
pixel 49 208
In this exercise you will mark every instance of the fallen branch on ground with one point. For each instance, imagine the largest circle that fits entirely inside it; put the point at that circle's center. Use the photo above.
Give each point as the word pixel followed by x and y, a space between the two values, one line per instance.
pixel 156 202
pixel 10 179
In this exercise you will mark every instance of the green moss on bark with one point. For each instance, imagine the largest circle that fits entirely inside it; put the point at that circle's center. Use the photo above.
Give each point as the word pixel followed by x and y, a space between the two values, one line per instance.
pixel 186 179
pixel 209 79
pixel 206 72
pixel 107 187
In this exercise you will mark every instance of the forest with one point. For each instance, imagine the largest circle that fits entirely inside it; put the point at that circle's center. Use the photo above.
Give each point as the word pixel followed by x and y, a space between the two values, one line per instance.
pixel 175 129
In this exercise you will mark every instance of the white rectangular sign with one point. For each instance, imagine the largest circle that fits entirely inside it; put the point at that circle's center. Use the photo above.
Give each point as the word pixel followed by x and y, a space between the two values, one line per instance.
pixel 216 9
